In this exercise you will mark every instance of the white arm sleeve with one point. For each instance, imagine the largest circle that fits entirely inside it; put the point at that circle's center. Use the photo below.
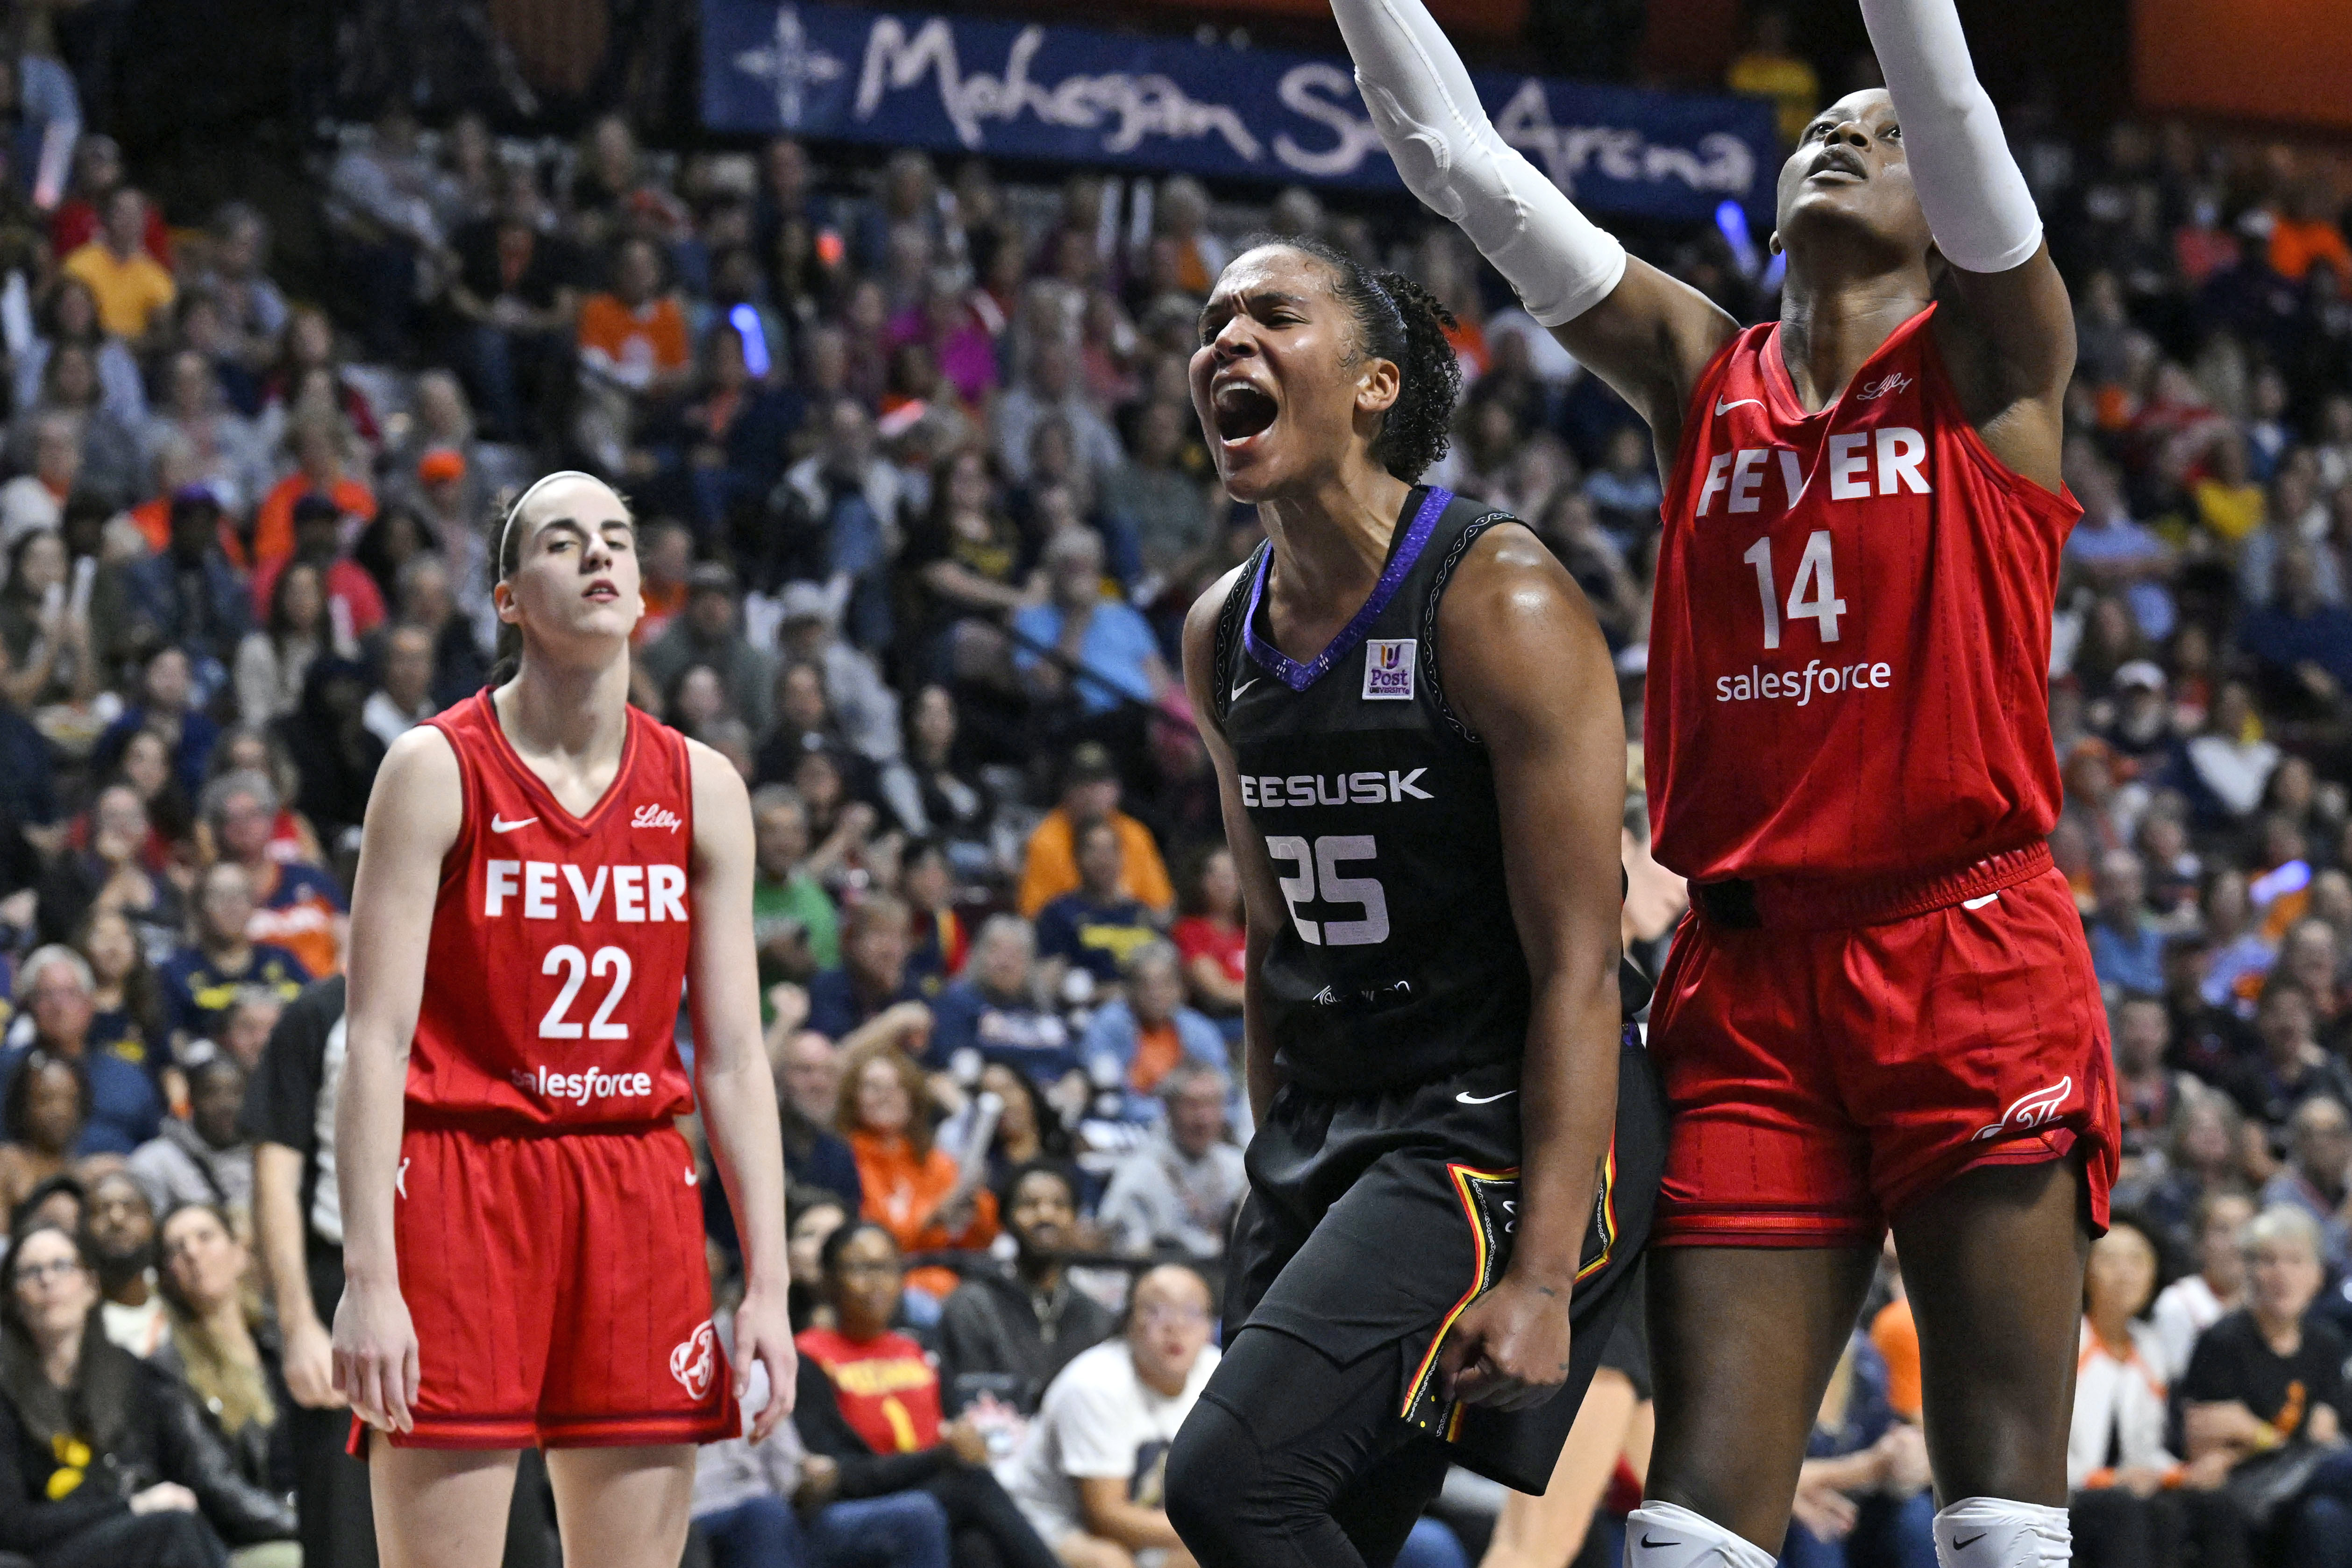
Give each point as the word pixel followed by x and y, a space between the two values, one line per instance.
pixel 1429 118
pixel 1969 185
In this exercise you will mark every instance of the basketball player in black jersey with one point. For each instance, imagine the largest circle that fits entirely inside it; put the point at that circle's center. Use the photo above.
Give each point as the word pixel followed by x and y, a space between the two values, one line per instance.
pixel 1416 731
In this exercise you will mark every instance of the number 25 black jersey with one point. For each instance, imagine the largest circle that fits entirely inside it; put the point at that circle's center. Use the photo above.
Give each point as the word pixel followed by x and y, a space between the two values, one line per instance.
pixel 1398 962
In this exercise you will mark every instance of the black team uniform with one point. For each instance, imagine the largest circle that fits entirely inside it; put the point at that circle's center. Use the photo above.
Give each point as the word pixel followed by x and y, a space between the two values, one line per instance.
pixel 1383 1182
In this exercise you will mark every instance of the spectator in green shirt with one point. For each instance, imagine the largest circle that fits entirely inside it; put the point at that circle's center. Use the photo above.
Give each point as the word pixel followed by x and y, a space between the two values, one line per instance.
pixel 793 918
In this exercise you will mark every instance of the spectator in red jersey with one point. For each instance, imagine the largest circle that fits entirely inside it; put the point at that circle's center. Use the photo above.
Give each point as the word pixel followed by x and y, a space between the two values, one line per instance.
pixel 869 1400
pixel 1209 937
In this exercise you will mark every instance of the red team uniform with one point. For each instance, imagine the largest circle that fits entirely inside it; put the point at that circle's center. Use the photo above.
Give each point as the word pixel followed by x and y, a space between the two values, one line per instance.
pixel 1883 981
pixel 546 1217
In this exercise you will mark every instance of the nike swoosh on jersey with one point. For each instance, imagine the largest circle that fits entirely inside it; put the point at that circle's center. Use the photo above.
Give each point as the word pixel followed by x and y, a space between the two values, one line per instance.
pixel 1722 407
pixel 692 1176
pixel 499 825
pixel 1466 1098
pixel 1245 685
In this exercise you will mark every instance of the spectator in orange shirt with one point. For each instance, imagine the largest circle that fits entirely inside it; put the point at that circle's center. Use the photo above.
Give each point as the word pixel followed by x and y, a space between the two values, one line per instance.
pixel 2307 232
pixel 1090 795
pixel 297 907
pixel 318 442
pixel 134 292
pixel 886 1113
pixel 633 353
pixel 1894 1335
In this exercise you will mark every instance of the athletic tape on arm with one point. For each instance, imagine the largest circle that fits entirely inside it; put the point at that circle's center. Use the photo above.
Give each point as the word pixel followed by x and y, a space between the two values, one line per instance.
pixel 1429 118
pixel 1969 185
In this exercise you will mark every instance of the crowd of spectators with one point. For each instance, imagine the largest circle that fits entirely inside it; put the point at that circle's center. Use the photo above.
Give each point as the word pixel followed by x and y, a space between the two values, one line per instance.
pixel 921 500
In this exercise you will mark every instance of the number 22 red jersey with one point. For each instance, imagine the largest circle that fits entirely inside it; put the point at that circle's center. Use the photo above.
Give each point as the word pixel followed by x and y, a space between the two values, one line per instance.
pixel 1850 649
pixel 559 945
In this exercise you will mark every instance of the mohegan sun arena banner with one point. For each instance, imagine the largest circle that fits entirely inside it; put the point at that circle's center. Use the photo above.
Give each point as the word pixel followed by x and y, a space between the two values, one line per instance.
pixel 983 86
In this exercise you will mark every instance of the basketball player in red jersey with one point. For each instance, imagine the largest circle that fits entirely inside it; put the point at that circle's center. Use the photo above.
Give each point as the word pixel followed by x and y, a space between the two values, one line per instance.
pixel 1882 1009
pixel 543 870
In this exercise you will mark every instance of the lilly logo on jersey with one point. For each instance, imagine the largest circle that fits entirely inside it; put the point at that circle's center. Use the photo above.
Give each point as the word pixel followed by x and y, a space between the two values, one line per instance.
pixel 656 817
pixel 1388 669
pixel 640 893
pixel 696 1361
pixel 1901 453
pixel 1893 382
pixel 1265 791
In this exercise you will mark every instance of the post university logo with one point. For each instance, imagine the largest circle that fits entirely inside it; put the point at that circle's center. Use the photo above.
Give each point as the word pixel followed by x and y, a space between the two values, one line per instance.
pixel 696 1361
pixel 1388 669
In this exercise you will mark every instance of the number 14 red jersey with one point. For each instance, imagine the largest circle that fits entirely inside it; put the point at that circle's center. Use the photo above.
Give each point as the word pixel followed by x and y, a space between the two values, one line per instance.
pixel 1850 649
pixel 559 944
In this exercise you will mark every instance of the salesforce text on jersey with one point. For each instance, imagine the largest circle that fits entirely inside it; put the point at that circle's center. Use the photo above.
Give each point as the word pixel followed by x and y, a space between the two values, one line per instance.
pixel 1800 687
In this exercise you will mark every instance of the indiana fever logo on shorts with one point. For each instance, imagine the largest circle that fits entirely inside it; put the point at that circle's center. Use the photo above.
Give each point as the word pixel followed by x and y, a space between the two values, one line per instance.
pixel 696 1361
pixel 2036 1109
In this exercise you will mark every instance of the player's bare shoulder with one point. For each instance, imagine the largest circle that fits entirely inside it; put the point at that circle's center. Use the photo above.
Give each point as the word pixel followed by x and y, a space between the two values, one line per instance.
pixel 419 795
pixel 1515 633
pixel 723 806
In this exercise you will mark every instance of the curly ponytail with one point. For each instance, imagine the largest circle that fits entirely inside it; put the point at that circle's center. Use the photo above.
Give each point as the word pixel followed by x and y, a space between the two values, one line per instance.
pixel 1398 321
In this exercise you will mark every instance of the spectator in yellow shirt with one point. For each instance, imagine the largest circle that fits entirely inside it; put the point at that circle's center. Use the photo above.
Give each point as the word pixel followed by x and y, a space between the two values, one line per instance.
pixel 1089 795
pixel 1767 68
pixel 133 290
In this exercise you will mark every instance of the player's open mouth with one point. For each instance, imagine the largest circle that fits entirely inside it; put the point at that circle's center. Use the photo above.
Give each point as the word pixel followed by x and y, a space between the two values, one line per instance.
pixel 601 592
pixel 1242 411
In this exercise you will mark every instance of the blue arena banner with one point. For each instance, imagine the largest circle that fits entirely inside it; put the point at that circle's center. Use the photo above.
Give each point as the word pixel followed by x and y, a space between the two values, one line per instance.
pixel 977 85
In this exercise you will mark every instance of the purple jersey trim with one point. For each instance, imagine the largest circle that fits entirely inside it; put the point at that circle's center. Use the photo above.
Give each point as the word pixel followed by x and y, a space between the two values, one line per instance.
pixel 1298 676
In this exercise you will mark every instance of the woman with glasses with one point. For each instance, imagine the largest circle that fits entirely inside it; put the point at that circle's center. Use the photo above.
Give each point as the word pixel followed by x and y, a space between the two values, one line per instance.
pixel 104 1461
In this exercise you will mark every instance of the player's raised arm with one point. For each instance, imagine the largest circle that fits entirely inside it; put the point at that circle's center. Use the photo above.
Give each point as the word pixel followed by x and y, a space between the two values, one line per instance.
pixel 2012 348
pixel 1644 333
pixel 414 814
pixel 1559 751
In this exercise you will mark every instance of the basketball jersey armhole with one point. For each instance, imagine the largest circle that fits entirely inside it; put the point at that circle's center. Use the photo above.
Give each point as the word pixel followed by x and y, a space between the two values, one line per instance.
pixel 1695 407
pixel 1470 535
pixel 461 849
pixel 1228 639
pixel 2057 509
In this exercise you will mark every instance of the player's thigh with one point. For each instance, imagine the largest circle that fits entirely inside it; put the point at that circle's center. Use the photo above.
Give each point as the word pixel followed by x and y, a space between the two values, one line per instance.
pixel 622 1508
pixel 440 1508
pixel 1079 1550
pixel 1994 1260
pixel 1742 1343
pixel 1548 1532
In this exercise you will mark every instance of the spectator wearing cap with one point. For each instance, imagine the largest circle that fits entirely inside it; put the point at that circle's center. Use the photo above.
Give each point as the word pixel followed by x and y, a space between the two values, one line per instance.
pixel 354 603
pixel 403 697
pixel 186 596
pixel 134 290
pixel 2127 947
pixel 709 631
pixel 317 441
pixel 1090 794
pixel 1139 1038
pixel 1080 647
pixel 446 501
pixel 2138 726
pixel 1096 928
pixel 54 988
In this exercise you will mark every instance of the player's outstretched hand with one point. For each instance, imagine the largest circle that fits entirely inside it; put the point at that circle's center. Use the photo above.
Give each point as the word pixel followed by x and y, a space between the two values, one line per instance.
pixel 764 1335
pixel 375 1355
pixel 1508 1350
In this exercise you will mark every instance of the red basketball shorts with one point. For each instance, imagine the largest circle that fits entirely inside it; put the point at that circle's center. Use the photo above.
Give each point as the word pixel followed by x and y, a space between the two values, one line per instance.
pixel 559 1289
pixel 1823 1076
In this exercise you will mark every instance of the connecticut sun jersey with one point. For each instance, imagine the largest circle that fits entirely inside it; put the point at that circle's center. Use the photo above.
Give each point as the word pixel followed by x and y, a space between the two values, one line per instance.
pixel 1398 962
pixel 1850 650
pixel 559 944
